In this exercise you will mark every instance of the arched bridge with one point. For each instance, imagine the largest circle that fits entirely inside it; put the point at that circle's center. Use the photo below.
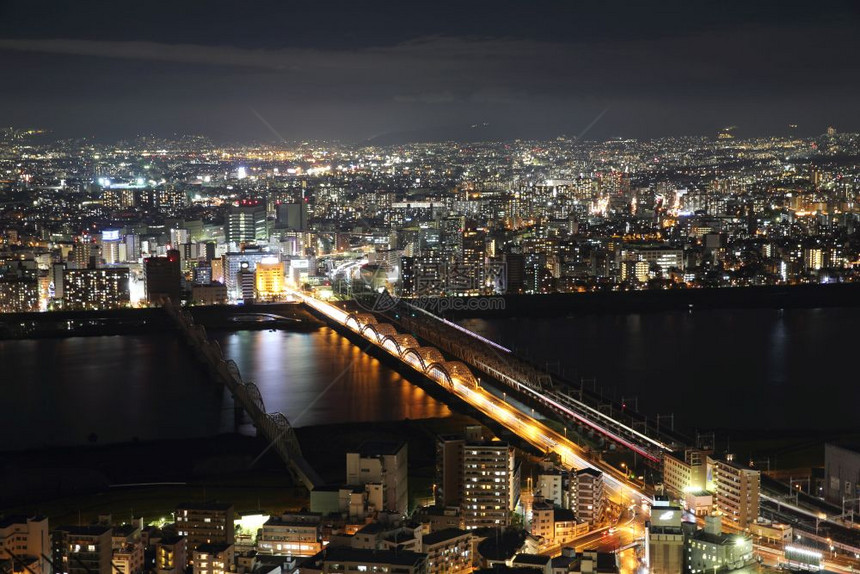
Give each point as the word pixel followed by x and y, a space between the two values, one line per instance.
pixel 274 426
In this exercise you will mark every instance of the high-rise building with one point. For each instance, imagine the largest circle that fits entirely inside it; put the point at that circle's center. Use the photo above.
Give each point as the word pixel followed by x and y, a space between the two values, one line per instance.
pixel 111 241
pixel 18 295
pixel 245 223
pixel 587 496
pixel 383 463
pixel 26 540
pixel 82 550
pixel 247 284
pixel 292 216
pixel 105 288
pixel 448 489
pixel 269 278
pixel 205 523
pixel 490 484
pixel 232 263
pixel 515 273
pixel 481 477
pixel 163 277
pixel 82 255
pixel 736 491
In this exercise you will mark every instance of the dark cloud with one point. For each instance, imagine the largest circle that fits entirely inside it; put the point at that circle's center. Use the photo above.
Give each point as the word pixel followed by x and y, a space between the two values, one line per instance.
pixel 355 70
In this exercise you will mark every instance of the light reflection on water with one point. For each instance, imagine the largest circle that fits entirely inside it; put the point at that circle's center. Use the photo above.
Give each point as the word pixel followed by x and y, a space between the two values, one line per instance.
pixel 114 389
pixel 731 368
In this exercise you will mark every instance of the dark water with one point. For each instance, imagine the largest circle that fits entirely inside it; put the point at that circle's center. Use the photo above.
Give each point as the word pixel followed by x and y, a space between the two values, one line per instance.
pixel 114 389
pixel 736 369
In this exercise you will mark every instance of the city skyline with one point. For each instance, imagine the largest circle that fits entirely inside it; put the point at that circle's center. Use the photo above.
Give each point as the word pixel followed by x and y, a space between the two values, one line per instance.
pixel 485 287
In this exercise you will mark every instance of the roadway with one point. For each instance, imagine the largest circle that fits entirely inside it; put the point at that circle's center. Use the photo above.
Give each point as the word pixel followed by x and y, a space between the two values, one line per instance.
pixel 532 431
pixel 546 440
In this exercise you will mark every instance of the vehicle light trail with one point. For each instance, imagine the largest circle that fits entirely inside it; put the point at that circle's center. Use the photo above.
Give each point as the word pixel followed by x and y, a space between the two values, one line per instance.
pixel 524 426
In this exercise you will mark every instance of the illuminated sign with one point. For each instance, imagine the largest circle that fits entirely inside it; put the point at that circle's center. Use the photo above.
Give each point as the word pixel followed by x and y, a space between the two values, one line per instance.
pixel 110 235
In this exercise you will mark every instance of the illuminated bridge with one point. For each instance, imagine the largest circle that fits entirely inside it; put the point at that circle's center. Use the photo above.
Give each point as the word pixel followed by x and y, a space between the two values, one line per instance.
pixel 613 422
pixel 458 378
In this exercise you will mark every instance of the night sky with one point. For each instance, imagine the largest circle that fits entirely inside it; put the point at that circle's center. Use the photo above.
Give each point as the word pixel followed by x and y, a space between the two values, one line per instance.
pixel 399 71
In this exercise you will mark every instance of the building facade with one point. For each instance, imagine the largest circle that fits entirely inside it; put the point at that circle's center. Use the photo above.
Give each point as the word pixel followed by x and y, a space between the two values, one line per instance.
pixel 383 463
pixel 736 492
pixel 27 541
pixel 106 288
pixel 205 523
pixel 587 495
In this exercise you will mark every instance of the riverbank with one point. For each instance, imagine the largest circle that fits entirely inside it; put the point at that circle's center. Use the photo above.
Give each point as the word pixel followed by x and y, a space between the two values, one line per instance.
pixel 649 301
pixel 75 485
pixel 54 324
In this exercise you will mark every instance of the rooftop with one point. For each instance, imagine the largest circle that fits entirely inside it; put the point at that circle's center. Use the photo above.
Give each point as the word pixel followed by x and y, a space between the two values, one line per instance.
pixel 443 535
pixel 380 448
pixel 213 548
pixel 347 554
pixel 204 506
pixel 531 559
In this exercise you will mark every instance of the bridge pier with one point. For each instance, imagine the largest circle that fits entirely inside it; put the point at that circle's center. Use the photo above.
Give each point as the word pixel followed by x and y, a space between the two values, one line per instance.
pixel 246 398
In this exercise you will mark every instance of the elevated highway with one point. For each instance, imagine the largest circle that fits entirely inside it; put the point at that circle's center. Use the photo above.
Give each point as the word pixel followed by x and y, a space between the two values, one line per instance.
pixel 457 378
pixel 615 422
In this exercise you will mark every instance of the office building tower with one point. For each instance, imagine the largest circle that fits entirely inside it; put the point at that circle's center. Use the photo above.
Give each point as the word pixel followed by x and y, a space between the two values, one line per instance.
pixel 246 223
pixel 246 280
pixel 233 262
pixel 292 216
pixel 163 277
pixel 269 278
pixel 111 243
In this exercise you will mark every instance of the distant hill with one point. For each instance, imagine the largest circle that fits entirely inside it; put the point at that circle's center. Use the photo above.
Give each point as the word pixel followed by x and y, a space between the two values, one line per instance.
pixel 481 131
